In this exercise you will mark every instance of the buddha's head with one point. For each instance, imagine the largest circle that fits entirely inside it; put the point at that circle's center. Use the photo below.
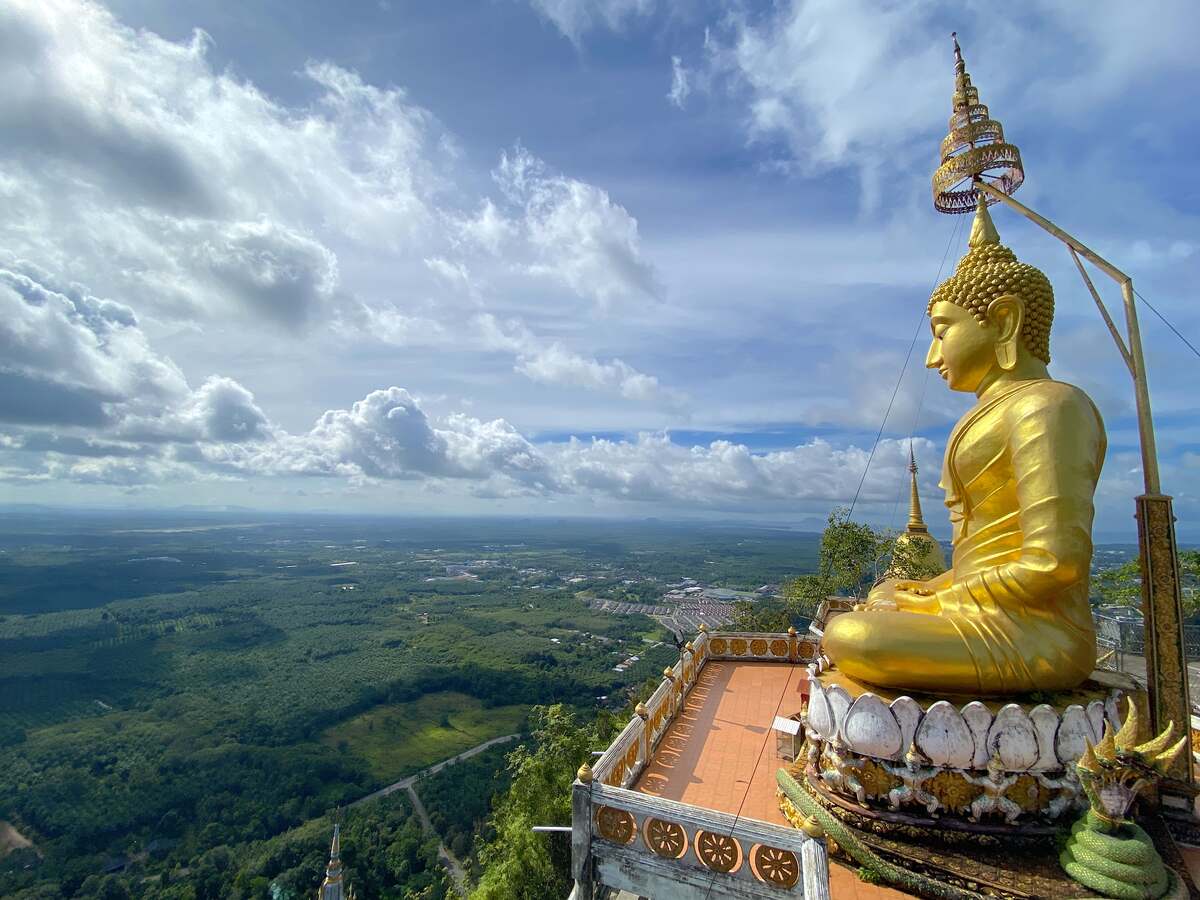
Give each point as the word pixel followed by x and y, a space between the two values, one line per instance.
pixel 994 313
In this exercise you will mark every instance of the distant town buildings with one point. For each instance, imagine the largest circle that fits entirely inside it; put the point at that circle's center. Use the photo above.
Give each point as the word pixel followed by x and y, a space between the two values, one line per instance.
pixel 687 605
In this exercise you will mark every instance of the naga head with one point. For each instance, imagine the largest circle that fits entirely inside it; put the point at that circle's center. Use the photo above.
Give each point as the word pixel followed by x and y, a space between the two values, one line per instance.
pixel 1117 769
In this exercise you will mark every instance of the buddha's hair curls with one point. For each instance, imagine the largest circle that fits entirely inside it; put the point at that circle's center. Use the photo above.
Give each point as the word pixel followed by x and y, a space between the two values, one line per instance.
pixel 990 271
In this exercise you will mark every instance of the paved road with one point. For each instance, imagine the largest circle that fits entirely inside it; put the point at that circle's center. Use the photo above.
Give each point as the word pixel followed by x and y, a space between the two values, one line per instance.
pixel 449 860
pixel 405 783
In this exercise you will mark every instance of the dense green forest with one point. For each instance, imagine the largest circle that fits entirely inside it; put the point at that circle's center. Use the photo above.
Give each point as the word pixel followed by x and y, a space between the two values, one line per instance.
pixel 459 799
pixel 384 853
pixel 184 695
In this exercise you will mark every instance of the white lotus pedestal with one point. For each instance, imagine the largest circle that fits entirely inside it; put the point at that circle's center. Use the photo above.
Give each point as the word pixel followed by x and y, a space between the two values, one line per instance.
pixel 949 793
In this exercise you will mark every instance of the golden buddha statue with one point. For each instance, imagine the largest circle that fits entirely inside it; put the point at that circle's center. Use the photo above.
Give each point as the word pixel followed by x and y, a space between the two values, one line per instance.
pixel 1011 614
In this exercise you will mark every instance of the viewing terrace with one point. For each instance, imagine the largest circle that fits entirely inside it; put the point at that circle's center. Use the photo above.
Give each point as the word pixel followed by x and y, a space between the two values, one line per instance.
pixel 683 803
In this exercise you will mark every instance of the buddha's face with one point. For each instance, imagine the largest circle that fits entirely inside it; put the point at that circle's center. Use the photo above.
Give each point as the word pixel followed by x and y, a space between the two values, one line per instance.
pixel 963 350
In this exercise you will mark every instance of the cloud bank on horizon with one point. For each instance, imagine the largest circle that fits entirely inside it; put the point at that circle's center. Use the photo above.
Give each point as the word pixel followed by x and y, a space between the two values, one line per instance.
pixel 666 258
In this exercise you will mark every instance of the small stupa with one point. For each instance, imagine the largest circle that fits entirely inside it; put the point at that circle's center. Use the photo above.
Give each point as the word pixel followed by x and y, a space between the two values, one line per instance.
pixel 333 888
pixel 925 558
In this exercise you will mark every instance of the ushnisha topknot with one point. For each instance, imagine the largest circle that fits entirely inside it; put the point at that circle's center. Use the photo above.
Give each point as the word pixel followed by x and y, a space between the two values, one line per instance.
pixel 990 270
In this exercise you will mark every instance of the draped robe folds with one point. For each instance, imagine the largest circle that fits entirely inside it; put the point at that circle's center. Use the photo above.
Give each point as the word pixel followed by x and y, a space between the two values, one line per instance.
pixel 1012 613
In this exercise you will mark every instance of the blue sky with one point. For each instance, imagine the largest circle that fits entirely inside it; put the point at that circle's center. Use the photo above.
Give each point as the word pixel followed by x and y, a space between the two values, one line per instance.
pixel 620 257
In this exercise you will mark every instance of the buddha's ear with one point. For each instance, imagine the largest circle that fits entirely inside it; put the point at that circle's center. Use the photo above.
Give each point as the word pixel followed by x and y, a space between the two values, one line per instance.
pixel 1007 313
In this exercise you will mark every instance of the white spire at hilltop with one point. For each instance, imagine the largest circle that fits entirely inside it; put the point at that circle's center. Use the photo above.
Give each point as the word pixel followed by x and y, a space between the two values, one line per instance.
pixel 332 888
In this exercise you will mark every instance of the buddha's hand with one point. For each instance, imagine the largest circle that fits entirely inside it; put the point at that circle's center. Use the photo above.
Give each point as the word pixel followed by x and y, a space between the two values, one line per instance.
pixel 918 599
pixel 901 594
pixel 880 604
pixel 883 595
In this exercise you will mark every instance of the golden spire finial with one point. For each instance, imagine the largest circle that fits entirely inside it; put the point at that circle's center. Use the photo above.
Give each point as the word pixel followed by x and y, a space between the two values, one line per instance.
pixel 916 522
pixel 983 229
pixel 962 80
pixel 974 149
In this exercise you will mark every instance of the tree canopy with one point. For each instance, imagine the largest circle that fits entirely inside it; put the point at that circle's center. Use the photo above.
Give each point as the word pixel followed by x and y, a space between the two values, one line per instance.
pixel 852 558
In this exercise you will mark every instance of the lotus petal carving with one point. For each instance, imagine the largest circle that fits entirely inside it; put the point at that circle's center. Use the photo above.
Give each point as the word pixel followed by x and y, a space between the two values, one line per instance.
pixel 908 714
pixel 871 729
pixel 944 738
pixel 1074 734
pixel 1013 737
pixel 1045 725
pixel 979 719
pixel 1095 716
pixel 839 705
pixel 820 716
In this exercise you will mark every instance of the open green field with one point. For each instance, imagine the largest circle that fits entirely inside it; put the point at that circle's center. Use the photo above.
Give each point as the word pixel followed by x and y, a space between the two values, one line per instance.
pixel 400 739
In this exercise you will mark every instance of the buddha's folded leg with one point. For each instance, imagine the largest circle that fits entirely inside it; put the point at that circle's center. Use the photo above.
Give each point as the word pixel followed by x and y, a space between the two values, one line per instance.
pixel 905 650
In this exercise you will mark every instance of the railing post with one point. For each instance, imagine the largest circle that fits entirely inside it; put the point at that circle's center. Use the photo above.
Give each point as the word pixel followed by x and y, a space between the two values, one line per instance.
pixel 689 666
pixel 814 861
pixel 581 833
pixel 671 708
pixel 793 644
pixel 644 742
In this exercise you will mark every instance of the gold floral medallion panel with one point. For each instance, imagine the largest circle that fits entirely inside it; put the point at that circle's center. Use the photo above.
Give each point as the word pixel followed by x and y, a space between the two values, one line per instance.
pixel 719 852
pixel 666 838
pixel 615 825
pixel 876 780
pixel 953 792
pixel 776 866
pixel 1029 794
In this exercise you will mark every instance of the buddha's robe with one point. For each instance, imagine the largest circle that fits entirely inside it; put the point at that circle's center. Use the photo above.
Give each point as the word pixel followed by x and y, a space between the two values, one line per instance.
pixel 1012 613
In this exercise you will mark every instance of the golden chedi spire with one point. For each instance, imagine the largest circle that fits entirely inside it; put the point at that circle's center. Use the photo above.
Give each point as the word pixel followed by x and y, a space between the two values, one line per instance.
pixel 916 523
pixel 973 150
pixel 918 553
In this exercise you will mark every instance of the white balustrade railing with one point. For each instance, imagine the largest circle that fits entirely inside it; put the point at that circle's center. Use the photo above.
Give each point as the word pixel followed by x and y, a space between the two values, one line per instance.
pixel 638 839
pixel 618 832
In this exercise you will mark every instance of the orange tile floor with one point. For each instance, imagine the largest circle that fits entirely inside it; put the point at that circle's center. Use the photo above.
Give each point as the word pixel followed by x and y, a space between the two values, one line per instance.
pixel 720 753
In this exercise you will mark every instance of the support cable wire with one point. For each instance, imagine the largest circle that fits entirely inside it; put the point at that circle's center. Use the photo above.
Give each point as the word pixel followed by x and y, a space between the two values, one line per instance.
pixel 912 433
pixel 903 369
pixel 1150 306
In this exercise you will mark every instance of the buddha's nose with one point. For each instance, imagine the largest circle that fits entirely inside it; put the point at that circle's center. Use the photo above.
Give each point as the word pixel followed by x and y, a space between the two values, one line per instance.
pixel 933 359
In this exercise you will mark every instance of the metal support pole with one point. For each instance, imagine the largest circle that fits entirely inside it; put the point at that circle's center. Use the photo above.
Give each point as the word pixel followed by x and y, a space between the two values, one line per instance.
pixel 1141 392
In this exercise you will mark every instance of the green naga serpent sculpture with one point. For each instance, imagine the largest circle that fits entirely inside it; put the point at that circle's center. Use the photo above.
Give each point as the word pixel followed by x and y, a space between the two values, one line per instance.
pixel 1107 851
